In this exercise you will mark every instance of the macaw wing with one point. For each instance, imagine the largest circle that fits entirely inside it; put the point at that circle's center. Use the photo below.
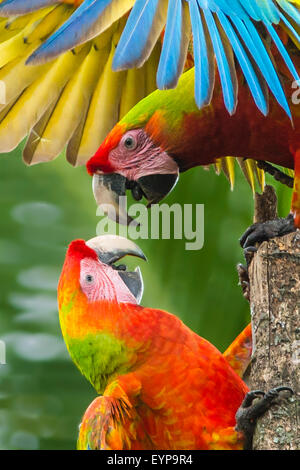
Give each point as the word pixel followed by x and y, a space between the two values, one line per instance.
pixel 238 354
pixel 58 103
pixel 39 100
pixel 89 20
pixel 221 30
pixel 111 424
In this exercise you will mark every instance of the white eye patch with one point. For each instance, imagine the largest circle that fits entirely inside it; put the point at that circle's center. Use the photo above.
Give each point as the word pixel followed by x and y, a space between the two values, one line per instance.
pixel 99 281
pixel 92 279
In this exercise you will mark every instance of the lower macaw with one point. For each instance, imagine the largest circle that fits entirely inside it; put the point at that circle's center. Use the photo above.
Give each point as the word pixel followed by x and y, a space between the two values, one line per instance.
pixel 161 385
pixel 166 134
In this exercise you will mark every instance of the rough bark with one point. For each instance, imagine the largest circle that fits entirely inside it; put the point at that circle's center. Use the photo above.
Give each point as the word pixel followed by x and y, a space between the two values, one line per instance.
pixel 265 205
pixel 274 275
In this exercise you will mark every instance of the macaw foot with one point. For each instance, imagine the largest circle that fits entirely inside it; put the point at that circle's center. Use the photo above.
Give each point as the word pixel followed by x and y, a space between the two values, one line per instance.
pixel 248 413
pixel 263 231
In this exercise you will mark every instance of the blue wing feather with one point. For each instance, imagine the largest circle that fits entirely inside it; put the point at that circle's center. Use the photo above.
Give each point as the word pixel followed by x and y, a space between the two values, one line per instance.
pixel 174 47
pixel 229 8
pixel 283 51
pixel 82 25
pixel 266 11
pixel 290 10
pixel 225 71
pixel 260 55
pixel 203 57
pixel 246 65
pixel 291 28
pixel 273 12
pixel 21 7
pixel 140 34
pixel 227 25
pixel 251 9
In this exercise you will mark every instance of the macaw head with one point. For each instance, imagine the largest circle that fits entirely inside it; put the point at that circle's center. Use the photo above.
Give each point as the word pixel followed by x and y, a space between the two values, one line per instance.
pixel 94 294
pixel 91 266
pixel 131 159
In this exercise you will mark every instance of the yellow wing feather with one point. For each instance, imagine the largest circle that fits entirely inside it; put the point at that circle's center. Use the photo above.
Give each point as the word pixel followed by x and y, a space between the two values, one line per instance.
pixel 47 142
pixel 36 99
pixel 105 103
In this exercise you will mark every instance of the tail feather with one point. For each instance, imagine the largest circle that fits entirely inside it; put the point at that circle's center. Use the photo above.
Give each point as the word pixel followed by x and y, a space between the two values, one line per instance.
pixel 249 168
pixel 227 165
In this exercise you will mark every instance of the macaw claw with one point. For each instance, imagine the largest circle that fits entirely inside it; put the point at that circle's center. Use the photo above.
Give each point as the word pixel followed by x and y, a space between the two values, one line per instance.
pixel 248 413
pixel 244 281
pixel 264 231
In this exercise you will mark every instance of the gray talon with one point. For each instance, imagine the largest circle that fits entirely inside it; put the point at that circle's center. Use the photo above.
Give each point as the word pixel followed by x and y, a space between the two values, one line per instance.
pixel 248 413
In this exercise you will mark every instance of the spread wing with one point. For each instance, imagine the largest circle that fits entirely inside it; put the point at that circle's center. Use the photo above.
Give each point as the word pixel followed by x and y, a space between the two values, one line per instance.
pixel 225 32
pixel 69 98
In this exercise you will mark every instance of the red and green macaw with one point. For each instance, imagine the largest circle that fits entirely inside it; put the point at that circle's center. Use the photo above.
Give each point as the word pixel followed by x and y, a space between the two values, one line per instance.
pixel 160 385
pixel 166 134
pixel 63 63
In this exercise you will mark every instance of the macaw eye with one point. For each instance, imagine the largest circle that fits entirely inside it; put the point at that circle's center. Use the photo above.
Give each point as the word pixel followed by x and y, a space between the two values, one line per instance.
pixel 130 143
pixel 89 278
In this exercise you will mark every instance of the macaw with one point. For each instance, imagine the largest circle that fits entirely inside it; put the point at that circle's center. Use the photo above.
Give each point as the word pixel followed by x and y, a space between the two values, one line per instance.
pixel 166 134
pixel 63 63
pixel 160 385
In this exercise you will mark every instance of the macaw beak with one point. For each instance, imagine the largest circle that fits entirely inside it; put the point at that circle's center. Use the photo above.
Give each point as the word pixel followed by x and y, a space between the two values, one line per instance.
pixel 109 187
pixel 110 249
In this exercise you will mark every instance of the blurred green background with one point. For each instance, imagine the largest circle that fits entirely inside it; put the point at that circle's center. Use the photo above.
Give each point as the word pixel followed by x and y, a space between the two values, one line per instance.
pixel 42 208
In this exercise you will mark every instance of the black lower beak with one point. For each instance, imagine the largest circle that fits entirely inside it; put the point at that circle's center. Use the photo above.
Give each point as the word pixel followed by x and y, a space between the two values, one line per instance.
pixel 156 187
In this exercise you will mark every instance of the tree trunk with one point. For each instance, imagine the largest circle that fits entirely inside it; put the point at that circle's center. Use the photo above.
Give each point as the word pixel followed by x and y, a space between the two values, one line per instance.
pixel 274 275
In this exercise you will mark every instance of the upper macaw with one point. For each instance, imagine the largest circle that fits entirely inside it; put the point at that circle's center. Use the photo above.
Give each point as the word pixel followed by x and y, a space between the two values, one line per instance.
pixel 161 385
pixel 166 134
pixel 57 59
